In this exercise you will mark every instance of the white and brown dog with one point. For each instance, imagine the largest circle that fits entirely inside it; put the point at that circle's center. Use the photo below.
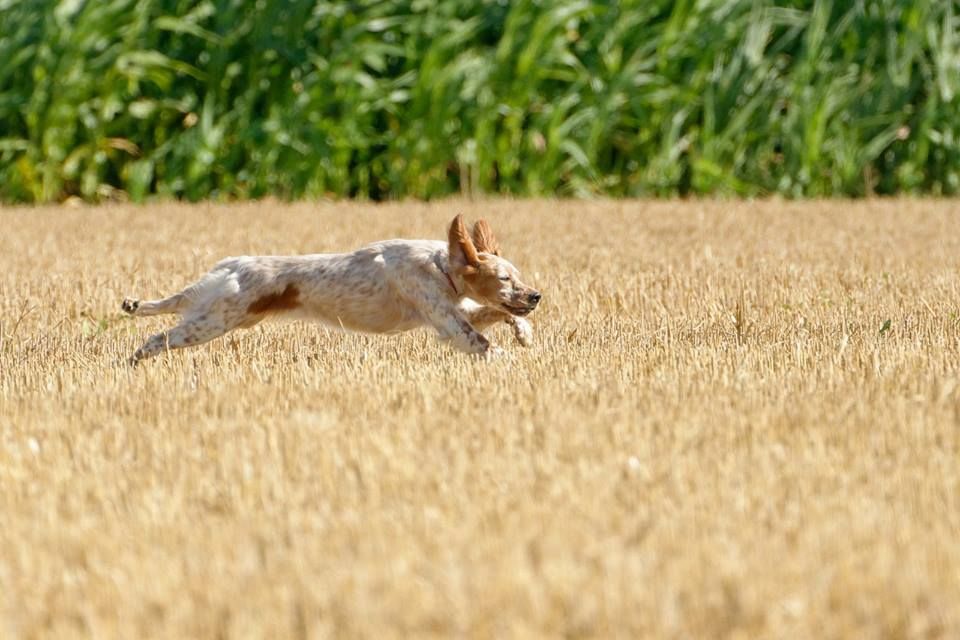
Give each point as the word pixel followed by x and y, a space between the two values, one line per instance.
pixel 459 287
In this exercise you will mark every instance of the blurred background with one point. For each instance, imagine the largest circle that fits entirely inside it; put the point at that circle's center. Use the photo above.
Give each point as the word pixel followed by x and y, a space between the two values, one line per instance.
pixel 227 99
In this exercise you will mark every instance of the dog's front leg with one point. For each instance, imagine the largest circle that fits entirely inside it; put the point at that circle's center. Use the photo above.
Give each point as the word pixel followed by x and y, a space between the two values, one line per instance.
pixel 453 325
pixel 522 330
pixel 450 321
pixel 483 317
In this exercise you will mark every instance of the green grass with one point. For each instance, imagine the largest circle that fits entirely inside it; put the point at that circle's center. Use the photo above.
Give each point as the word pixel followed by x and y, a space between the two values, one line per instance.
pixel 234 99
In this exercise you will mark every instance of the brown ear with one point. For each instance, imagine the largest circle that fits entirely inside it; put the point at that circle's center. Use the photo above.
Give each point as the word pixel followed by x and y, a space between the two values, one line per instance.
pixel 484 239
pixel 462 250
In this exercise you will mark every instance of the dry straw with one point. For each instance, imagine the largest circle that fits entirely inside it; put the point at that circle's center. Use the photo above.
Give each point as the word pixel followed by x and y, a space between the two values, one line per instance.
pixel 738 420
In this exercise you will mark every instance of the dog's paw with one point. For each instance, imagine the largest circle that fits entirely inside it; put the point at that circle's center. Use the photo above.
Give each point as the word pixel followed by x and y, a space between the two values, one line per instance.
pixel 522 331
pixel 135 358
pixel 130 306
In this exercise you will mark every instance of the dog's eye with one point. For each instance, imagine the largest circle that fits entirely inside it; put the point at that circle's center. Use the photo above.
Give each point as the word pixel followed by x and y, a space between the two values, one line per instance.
pixel 505 278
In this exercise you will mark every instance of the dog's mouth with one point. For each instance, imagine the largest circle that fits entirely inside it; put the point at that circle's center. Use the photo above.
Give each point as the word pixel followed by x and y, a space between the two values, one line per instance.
pixel 519 310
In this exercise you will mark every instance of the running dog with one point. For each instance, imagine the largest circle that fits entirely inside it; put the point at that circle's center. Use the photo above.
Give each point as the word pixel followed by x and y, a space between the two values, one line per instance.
pixel 459 287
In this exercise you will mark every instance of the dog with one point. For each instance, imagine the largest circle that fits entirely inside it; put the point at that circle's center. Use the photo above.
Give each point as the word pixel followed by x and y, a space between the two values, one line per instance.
pixel 459 287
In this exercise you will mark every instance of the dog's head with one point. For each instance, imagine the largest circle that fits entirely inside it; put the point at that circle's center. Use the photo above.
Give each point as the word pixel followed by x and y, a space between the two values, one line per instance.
pixel 488 278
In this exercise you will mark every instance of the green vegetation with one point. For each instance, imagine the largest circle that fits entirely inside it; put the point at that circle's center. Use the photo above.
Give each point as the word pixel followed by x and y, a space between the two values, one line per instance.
pixel 297 98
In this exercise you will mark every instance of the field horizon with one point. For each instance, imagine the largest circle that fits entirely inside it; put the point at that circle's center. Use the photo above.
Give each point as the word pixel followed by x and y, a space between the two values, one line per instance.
pixel 738 419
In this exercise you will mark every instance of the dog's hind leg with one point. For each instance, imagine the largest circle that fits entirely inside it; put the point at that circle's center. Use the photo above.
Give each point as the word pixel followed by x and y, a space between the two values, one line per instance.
pixel 186 334
pixel 177 303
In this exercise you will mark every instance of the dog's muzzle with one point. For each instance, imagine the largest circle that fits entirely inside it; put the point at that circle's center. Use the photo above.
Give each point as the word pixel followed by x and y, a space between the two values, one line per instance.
pixel 530 302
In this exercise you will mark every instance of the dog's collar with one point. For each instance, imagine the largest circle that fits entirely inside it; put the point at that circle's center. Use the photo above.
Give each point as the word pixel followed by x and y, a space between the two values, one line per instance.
pixel 446 273
pixel 452 285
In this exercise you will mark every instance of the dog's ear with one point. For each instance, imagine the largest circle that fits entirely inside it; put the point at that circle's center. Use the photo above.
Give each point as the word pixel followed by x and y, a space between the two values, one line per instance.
pixel 462 252
pixel 484 239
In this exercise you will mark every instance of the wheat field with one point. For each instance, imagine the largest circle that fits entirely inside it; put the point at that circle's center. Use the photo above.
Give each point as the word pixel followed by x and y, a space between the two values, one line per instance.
pixel 739 420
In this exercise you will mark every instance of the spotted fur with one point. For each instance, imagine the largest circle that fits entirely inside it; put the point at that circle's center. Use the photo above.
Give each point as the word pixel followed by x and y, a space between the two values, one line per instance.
pixel 459 287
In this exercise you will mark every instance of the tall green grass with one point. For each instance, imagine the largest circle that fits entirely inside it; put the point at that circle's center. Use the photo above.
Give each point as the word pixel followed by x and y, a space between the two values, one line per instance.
pixel 381 99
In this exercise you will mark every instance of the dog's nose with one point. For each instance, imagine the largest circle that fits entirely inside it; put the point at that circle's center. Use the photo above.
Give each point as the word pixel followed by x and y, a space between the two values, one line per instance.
pixel 535 297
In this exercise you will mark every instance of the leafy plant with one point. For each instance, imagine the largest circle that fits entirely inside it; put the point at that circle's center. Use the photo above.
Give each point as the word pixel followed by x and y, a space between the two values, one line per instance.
pixel 311 98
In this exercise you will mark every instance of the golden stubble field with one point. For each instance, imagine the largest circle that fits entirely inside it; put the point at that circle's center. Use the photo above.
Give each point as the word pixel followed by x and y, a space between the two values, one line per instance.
pixel 739 420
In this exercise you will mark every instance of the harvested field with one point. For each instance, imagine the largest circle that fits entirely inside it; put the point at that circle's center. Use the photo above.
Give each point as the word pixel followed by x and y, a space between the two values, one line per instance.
pixel 738 420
